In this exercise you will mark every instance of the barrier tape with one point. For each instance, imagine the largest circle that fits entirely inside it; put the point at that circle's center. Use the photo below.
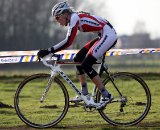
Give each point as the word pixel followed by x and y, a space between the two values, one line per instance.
pixel 31 56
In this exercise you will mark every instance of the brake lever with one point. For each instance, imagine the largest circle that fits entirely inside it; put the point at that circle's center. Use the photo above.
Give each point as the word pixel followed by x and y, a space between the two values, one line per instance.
pixel 56 57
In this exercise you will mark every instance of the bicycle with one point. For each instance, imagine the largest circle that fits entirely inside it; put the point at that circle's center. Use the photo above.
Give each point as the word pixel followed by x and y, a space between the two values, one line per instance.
pixel 42 100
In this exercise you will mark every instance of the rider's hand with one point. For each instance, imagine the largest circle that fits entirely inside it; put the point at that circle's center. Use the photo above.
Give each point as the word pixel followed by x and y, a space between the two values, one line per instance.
pixel 43 53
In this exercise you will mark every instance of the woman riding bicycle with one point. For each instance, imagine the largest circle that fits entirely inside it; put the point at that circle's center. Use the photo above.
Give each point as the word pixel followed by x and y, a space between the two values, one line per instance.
pixel 92 50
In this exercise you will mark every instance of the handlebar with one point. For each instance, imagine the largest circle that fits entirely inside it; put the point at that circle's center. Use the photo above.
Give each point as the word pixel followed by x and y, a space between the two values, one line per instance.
pixel 57 59
pixel 50 57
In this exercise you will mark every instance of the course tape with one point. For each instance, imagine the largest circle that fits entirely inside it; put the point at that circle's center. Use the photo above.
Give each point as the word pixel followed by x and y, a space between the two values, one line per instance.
pixel 31 56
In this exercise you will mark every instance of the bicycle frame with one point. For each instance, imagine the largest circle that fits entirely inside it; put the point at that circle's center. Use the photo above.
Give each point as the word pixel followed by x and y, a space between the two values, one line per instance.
pixel 89 101
pixel 56 69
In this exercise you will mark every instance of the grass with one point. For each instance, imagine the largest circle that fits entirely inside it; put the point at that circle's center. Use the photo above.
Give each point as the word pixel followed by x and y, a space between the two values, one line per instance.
pixel 76 117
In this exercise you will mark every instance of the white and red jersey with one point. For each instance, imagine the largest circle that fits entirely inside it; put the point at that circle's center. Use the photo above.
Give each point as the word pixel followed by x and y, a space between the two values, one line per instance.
pixel 82 22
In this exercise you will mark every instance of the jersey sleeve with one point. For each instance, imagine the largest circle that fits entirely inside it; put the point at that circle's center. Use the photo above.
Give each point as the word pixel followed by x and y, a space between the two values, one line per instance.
pixel 71 33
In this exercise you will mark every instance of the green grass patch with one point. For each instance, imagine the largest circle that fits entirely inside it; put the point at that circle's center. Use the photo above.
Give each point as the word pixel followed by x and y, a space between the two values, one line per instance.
pixel 76 117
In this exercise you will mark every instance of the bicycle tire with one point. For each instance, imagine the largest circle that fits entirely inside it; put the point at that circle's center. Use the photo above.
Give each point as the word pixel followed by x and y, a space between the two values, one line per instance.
pixel 36 114
pixel 138 100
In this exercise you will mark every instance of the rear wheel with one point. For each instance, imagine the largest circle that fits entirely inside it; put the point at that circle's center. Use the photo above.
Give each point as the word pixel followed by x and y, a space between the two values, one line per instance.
pixel 41 114
pixel 132 106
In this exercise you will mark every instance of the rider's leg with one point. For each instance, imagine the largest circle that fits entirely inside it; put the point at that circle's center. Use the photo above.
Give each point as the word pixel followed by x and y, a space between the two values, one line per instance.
pixel 79 58
pixel 87 67
pixel 83 83
pixel 106 41
pixel 81 75
pixel 98 82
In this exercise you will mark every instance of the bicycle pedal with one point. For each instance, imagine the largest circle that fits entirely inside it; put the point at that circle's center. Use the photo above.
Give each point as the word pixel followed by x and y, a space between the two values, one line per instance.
pixel 74 102
pixel 89 108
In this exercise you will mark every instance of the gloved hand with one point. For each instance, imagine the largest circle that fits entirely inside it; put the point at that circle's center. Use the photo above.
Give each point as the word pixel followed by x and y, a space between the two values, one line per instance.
pixel 43 53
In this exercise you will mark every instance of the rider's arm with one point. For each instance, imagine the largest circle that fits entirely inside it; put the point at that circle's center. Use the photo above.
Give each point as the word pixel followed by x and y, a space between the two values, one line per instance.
pixel 72 30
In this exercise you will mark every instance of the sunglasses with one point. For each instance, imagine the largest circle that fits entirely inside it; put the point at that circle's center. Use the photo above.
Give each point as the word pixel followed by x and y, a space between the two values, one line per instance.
pixel 58 16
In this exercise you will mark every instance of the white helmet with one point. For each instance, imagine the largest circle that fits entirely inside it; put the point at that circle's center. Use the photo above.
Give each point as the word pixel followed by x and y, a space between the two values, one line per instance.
pixel 59 8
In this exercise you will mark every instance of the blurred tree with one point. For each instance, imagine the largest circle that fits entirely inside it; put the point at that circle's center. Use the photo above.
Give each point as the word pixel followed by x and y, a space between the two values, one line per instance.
pixel 26 24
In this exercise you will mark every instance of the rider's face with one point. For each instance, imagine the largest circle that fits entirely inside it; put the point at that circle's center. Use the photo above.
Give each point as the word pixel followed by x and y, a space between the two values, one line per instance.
pixel 61 19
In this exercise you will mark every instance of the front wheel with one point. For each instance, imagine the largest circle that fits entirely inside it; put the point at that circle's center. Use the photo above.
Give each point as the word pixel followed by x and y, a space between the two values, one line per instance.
pixel 39 114
pixel 132 105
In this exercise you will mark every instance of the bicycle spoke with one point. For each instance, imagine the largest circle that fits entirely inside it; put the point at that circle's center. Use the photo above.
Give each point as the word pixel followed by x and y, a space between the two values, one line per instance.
pixel 134 104
pixel 41 114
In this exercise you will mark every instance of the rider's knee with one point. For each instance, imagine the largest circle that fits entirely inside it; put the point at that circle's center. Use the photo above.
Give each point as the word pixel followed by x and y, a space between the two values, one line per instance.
pixel 87 66
pixel 79 70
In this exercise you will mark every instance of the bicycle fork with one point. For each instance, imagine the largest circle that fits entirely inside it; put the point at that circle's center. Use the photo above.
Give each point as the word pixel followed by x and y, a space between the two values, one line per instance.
pixel 44 95
pixel 53 73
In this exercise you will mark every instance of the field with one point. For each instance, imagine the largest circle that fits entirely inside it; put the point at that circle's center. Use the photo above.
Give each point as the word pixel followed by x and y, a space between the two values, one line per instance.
pixel 77 118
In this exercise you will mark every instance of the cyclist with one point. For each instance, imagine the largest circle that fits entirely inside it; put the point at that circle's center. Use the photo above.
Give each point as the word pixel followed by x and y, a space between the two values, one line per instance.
pixel 92 50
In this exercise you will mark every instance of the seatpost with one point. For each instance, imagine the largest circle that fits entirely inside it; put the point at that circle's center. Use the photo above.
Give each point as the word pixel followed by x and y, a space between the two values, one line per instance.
pixel 100 70
pixel 103 59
